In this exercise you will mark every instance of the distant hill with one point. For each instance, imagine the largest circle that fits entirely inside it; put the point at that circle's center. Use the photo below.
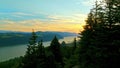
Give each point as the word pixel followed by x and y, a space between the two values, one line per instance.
pixel 8 38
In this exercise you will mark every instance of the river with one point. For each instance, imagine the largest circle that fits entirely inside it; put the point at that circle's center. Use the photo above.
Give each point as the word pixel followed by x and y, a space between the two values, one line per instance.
pixel 10 52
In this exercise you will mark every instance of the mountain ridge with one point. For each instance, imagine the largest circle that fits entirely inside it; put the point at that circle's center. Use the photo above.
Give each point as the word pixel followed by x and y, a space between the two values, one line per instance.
pixel 9 38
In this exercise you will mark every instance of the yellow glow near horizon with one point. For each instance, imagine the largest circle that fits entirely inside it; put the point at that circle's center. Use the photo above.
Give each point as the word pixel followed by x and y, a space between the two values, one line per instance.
pixel 56 24
pixel 46 27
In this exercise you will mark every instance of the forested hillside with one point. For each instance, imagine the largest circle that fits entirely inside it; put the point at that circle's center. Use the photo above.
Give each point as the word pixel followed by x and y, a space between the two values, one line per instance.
pixel 8 38
pixel 54 56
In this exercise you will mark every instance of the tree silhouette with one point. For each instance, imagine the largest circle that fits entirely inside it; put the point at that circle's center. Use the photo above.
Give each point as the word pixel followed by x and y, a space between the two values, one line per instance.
pixel 41 56
pixel 74 46
pixel 100 39
pixel 56 50
pixel 29 60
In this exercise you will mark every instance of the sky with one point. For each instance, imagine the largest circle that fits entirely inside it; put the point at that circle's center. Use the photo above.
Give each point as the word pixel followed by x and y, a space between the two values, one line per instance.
pixel 44 15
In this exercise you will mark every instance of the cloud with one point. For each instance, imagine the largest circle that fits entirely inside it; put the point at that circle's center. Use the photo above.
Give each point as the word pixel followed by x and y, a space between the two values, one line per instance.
pixel 71 23
pixel 16 13
pixel 19 15
pixel 73 18
pixel 38 25
pixel 23 14
pixel 89 2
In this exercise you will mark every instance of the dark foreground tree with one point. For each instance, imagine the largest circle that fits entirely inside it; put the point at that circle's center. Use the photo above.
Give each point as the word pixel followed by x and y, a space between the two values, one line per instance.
pixel 35 56
pixel 100 40
pixel 51 62
pixel 74 46
pixel 29 60
pixel 56 50
pixel 41 56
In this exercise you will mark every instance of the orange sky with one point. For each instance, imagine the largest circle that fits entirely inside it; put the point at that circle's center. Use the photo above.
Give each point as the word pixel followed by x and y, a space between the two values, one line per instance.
pixel 44 15
pixel 57 23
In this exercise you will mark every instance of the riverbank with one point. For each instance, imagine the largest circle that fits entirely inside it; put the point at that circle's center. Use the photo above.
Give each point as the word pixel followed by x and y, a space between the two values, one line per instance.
pixel 10 52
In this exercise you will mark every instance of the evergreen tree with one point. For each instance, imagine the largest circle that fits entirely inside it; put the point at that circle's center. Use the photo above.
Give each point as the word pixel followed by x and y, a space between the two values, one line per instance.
pixel 51 62
pixel 100 39
pixel 74 46
pixel 63 43
pixel 35 56
pixel 29 60
pixel 56 50
pixel 41 56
